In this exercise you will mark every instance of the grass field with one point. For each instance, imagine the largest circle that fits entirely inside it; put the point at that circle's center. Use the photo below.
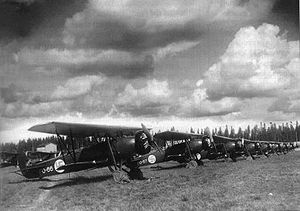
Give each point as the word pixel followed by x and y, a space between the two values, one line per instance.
pixel 263 184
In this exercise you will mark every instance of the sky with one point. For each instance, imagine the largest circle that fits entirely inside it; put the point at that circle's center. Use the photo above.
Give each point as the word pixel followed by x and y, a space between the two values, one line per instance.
pixel 162 63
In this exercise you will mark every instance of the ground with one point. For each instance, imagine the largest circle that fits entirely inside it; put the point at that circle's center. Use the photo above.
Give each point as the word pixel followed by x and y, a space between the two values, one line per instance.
pixel 263 184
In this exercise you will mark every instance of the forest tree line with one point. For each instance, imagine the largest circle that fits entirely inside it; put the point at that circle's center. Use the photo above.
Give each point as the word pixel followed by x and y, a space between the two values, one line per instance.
pixel 271 132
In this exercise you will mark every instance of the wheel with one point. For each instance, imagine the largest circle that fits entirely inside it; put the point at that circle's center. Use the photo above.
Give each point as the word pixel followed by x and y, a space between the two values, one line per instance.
pixel 226 157
pixel 136 173
pixel 192 164
pixel 233 157
pixel 120 177
pixel 200 163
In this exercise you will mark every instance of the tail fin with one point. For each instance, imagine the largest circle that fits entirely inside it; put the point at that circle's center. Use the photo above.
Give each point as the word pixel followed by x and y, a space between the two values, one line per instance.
pixel 22 163
pixel 28 172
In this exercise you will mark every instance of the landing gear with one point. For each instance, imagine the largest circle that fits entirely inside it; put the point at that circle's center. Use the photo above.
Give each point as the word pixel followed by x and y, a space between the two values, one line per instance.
pixel 200 163
pixel 120 176
pixel 192 164
pixel 198 159
pixel 136 173
pixel 233 157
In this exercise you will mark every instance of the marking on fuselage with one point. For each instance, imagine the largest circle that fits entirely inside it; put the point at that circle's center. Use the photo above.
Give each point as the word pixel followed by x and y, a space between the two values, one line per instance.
pixel 151 159
pixel 58 163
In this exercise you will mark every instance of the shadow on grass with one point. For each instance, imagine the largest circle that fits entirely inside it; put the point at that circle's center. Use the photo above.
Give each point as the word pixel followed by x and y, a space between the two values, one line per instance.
pixel 78 181
pixel 159 168
pixel 30 180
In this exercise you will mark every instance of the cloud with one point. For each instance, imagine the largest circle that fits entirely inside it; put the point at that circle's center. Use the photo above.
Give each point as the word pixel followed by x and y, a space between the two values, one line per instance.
pixel 138 25
pixel 67 98
pixel 9 94
pixel 22 109
pixel 86 61
pixel 174 48
pixel 21 19
pixel 256 63
pixel 257 77
pixel 76 87
pixel 198 105
pixel 153 99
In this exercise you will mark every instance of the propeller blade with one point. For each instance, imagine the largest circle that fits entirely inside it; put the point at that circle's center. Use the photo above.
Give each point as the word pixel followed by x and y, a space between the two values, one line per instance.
pixel 208 132
pixel 150 137
pixel 147 132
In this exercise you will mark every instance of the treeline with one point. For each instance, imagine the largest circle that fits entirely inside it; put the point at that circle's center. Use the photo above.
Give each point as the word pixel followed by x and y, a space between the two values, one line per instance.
pixel 271 132
pixel 32 143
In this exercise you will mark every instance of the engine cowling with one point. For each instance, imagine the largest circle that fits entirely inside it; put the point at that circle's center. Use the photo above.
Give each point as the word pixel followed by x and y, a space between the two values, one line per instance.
pixel 264 147
pixel 196 146
pixel 128 146
pixel 239 145
pixel 251 147
pixel 230 146
pixel 207 143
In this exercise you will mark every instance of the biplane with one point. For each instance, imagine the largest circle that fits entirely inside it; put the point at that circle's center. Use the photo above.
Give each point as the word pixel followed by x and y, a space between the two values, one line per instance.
pixel 8 159
pixel 119 148
pixel 237 147
pixel 187 148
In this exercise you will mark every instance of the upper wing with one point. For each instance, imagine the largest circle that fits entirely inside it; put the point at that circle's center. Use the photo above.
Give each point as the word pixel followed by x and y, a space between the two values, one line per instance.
pixel 222 139
pixel 171 135
pixel 83 130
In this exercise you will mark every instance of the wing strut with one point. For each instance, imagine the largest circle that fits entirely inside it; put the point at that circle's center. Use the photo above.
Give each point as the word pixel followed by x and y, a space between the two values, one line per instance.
pixel 112 154
pixel 60 145
pixel 188 148
pixel 67 148
pixel 73 149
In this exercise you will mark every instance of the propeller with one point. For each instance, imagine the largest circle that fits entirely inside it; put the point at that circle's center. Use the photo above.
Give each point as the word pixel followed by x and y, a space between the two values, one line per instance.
pixel 150 137
pixel 147 133
pixel 208 133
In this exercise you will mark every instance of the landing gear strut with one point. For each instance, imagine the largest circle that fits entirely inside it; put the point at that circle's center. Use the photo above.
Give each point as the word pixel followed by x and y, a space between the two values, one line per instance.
pixel 136 173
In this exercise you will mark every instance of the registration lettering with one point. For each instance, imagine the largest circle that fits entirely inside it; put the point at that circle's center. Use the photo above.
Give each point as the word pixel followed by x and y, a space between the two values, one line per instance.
pixel 47 169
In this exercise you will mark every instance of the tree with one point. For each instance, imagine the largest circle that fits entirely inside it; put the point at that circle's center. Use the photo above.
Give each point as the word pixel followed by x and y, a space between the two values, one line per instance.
pixel 226 132
pixel 232 133
pixel 240 133
pixel 220 132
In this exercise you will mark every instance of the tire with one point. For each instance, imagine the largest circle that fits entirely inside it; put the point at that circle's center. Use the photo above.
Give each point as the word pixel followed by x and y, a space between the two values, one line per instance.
pixel 120 177
pixel 136 173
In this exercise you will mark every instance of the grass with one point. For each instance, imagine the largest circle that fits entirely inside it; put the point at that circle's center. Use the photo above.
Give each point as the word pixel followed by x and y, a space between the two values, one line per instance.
pixel 263 184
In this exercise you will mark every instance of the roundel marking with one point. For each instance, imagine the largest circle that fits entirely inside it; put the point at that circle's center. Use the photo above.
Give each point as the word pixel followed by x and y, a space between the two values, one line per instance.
pixel 198 156
pixel 58 163
pixel 151 159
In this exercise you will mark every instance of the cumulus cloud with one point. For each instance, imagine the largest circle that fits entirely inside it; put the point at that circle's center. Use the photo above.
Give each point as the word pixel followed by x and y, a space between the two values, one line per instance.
pixel 76 87
pixel 67 98
pixel 198 105
pixel 258 71
pixel 256 63
pixel 153 99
